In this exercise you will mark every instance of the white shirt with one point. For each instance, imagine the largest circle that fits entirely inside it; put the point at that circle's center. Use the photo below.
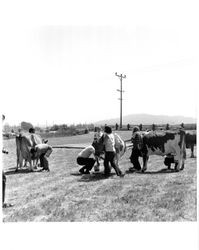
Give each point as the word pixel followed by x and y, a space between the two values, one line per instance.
pixel 109 142
pixel 85 153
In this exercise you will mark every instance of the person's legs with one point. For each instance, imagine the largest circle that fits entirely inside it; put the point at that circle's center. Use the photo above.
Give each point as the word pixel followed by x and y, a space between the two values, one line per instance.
pixel 44 163
pixel 135 159
pixel 87 164
pixel 107 168
pixel 112 162
pixel 81 162
pixel 3 187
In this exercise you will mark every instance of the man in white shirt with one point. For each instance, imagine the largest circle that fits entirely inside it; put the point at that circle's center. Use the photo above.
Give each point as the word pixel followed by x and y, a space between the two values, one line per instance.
pixel 110 152
pixel 84 159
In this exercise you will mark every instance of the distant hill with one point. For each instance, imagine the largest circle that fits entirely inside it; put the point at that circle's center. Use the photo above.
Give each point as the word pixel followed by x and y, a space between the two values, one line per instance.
pixel 148 119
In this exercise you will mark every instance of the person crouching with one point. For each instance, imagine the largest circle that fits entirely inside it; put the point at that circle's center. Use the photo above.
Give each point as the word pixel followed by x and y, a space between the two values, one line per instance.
pixel 85 159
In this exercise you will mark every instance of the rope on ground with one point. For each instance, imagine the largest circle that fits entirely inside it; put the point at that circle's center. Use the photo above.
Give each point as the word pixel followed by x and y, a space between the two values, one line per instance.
pixel 69 147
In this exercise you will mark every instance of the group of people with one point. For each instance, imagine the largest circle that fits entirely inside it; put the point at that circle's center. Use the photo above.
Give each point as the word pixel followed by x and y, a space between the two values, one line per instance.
pixel 88 156
pixel 38 151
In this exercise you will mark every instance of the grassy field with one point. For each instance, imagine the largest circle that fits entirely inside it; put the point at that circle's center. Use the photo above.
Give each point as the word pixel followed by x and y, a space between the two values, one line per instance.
pixel 64 195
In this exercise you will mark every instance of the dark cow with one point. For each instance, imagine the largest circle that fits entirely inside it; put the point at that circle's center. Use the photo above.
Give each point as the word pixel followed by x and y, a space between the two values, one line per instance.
pixel 190 139
pixel 164 143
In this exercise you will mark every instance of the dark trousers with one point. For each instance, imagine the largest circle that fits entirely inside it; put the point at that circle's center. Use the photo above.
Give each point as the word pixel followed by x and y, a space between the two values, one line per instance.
pixel 44 162
pixel 3 187
pixel 135 154
pixel 109 158
pixel 87 163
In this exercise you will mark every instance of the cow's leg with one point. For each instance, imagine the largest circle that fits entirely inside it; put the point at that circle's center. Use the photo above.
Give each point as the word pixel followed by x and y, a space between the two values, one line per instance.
pixel 145 161
pixel 178 160
pixel 19 162
pixel 192 151
pixel 117 159
pixel 25 164
pixel 183 157
pixel 177 163
pixel 16 170
pixel 34 163
pixel 31 165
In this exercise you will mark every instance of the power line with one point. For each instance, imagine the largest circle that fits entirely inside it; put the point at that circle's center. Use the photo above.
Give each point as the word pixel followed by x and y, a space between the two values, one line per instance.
pixel 121 91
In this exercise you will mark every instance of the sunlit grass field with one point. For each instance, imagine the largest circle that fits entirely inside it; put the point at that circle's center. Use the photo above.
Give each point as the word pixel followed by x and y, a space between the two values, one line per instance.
pixel 65 195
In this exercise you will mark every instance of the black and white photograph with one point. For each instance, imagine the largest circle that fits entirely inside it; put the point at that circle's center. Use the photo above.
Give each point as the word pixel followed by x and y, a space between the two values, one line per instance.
pixel 99 103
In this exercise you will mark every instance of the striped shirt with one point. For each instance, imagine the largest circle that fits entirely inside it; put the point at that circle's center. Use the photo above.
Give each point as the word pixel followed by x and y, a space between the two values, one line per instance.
pixel 136 140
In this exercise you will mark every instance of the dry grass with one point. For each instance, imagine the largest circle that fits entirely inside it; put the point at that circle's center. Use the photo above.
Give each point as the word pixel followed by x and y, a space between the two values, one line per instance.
pixel 64 195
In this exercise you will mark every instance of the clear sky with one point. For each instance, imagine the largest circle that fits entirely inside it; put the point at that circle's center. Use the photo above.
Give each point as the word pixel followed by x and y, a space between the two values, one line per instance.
pixel 59 60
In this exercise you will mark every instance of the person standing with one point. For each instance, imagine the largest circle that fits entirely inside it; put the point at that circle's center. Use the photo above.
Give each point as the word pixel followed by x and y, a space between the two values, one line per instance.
pixel 136 150
pixel 110 152
pixel 4 205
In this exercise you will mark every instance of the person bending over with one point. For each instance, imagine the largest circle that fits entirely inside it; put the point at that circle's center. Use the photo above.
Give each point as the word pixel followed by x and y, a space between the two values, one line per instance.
pixel 86 158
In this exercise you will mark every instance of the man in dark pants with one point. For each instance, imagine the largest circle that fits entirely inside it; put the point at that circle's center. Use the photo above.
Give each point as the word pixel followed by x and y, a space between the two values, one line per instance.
pixel 136 150
pixel 110 151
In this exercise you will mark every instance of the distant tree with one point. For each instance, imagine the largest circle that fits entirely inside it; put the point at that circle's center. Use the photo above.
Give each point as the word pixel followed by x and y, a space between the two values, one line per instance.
pixel 153 127
pixel 140 127
pixel 54 127
pixel 26 125
pixel 167 127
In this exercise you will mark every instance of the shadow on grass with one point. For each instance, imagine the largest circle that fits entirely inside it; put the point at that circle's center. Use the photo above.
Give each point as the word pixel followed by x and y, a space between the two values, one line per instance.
pixel 76 174
pixel 21 171
pixel 162 171
pixel 95 177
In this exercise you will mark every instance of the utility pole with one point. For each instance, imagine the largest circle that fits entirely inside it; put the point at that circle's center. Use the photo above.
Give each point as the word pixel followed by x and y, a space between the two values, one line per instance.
pixel 121 91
